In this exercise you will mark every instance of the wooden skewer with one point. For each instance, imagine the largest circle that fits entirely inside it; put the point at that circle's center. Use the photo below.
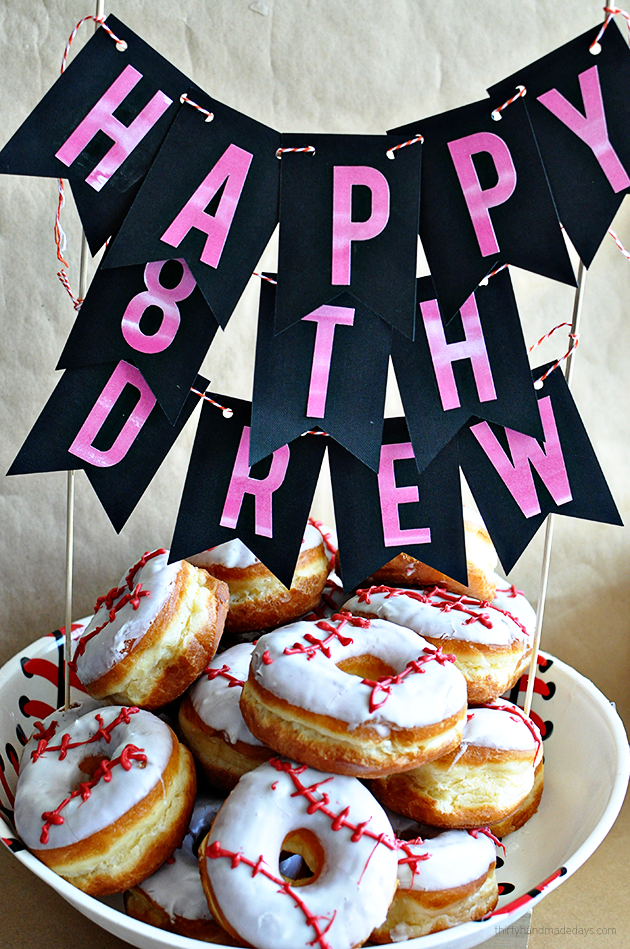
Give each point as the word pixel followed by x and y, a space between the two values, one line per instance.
pixel 67 655
pixel 544 572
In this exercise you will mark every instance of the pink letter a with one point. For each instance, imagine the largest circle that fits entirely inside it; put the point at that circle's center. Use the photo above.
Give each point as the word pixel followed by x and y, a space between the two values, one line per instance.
pixel 232 167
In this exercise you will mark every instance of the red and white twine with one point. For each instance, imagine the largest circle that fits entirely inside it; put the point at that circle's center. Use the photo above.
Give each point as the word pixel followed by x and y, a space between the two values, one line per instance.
pixel 575 340
pixel 184 99
pixel 412 141
pixel 623 250
pixel 496 113
pixel 595 47
pixel 283 151
pixel 227 411
pixel 485 281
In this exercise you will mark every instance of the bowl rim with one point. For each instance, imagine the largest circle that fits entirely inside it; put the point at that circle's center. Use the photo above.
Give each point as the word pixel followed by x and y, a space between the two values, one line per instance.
pixel 465 935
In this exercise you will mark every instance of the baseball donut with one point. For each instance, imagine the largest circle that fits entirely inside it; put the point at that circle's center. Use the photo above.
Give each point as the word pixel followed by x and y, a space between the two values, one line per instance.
pixel 105 796
pixel 353 696
pixel 153 635
pixel 344 838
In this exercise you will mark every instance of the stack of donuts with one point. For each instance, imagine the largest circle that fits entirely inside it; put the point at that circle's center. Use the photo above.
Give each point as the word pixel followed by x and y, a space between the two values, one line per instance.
pixel 249 755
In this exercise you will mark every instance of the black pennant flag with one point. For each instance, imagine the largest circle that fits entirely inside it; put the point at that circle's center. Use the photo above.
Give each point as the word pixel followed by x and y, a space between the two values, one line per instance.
pixel 476 365
pixel 266 506
pixel 106 420
pixel 100 126
pixel 329 370
pixel 517 482
pixel 153 315
pixel 485 200
pixel 379 516
pixel 579 105
pixel 211 198
pixel 349 221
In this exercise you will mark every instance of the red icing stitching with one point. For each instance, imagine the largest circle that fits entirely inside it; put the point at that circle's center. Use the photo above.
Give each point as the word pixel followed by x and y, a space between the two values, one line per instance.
pixel 266 657
pixel 338 820
pixel 108 600
pixel 326 535
pixel 215 850
pixel 518 715
pixel 129 754
pixel 451 601
pixel 487 833
pixel 225 672
pixel 342 619
pixel 146 556
pixel 412 859
pixel 384 683
pixel 102 732
pixel 133 598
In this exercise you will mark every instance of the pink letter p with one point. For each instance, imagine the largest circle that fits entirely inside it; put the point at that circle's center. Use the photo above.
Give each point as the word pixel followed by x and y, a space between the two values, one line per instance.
pixel 344 229
pixel 478 200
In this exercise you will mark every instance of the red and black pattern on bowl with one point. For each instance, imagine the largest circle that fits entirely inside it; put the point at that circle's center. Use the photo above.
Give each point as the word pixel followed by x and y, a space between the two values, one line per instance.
pixel 543 687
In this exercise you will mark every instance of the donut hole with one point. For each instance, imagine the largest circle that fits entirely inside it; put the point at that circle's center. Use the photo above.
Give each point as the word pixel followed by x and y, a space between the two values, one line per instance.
pixel 366 667
pixel 91 763
pixel 304 843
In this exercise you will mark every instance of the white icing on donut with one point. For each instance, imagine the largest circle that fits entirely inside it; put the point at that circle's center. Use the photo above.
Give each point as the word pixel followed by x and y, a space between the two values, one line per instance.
pixel 455 858
pixel 176 886
pixel 512 600
pixel 439 617
pixel 353 891
pixel 235 555
pixel 216 700
pixel 50 772
pixel 309 678
pixel 503 726
pixel 329 534
pixel 130 623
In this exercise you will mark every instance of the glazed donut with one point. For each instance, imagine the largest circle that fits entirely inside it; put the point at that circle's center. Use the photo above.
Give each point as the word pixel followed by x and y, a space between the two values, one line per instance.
pixel 353 696
pixel 104 796
pixel 442 882
pixel 153 635
pixel 481 561
pixel 341 832
pixel 514 602
pixel 257 598
pixel 211 721
pixel 483 782
pixel 489 644
pixel 173 898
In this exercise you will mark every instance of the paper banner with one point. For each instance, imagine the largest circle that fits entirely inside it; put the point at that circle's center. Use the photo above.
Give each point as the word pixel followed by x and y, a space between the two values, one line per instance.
pixel 516 482
pixel 485 200
pixel 266 507
pixel 100 126
pixel 397 510
pixel 106 420
pixel 476 365
pixel 211 198
pixel 329 370
pixel 153 315
pixel 579 106
pixel 348 221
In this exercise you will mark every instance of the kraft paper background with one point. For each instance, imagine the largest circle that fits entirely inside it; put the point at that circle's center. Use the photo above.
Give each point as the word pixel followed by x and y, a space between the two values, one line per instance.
pixel 356 66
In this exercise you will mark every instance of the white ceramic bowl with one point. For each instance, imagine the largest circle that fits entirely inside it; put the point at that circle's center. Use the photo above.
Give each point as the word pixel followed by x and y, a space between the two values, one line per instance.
pixel 586 774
